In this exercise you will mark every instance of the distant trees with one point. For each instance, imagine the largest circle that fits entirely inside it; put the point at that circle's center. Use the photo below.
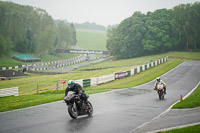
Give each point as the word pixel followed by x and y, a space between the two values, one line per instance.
pixel 27 29
pixel 156 32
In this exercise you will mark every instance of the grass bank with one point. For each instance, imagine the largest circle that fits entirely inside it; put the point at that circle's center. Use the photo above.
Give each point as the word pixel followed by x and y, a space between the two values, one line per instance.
pixel 190 102
pixel 9 61
pixel 31 99
pixel 191 129
pixel 91 39
pixel 27 86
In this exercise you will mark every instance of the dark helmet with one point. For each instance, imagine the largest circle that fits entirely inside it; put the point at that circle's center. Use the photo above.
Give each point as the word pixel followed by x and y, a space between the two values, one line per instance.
pixel 158 79
pixel 71 83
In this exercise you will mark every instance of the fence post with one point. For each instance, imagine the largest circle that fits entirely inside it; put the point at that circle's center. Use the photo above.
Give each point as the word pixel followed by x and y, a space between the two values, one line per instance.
pixel 57 85
pixel 37 88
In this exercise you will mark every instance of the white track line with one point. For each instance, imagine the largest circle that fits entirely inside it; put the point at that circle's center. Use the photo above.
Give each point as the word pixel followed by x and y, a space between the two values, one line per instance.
pixel 177 127
pixel 167 110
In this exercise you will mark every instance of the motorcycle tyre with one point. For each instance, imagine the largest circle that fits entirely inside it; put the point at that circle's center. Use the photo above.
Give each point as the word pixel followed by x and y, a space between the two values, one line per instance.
pixel 70 106
pixel 91 109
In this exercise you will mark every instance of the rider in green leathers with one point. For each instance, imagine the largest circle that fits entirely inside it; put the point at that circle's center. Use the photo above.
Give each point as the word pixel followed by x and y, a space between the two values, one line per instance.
pixel 159 81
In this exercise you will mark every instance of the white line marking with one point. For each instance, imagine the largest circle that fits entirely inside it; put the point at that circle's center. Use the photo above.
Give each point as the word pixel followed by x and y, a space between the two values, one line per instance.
pixel 177 127
pixel 167 110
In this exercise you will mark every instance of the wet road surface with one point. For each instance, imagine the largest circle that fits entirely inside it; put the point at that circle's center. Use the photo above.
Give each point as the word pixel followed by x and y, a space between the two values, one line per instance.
pixel 120 111
pixel 173 118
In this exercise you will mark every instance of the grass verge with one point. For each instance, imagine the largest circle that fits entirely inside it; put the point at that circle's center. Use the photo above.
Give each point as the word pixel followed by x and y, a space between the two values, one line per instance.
pixel 12 103
pixel 191 129
pixel 190 102
pixel 9 61
pixel 91 39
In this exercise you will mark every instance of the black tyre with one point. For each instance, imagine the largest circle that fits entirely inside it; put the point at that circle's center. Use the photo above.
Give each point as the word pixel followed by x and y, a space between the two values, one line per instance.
pixel 73 111
pixel 161 95
pixel 90 109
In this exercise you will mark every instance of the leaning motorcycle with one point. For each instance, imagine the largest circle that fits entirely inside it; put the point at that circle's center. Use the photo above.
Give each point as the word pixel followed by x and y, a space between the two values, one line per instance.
pixel 77 106
pixel 160 90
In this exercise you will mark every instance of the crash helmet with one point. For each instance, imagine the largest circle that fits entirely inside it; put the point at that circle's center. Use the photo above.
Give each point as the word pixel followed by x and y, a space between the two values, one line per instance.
pixel 70 83
pixel 158 79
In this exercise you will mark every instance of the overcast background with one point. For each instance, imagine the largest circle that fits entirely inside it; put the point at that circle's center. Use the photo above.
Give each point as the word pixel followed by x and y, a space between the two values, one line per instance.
pixel 103 12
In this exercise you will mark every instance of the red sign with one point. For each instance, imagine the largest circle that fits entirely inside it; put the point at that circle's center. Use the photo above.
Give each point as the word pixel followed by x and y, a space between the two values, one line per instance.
pixel 63 81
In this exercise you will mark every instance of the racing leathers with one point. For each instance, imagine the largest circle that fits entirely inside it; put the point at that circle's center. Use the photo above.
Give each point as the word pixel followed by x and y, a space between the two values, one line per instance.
pixel 160 82
pixel 78 90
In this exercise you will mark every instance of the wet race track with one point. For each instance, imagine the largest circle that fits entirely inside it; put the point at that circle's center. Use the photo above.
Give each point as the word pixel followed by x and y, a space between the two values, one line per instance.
pixel 120 111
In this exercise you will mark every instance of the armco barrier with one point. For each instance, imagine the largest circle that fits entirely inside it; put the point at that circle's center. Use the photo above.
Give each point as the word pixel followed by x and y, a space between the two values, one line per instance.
pixel 86 83
pixel 93 81
pixel 128 73
pixel 9 92
pixel 106 78
pixel 120 75
pixel 135 71
pixel 132 72
pixel 80 82
pixel 111 77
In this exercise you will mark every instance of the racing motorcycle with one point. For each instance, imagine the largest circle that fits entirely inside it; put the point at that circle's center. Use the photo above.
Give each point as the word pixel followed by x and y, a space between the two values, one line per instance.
pixel 77 106
pixel 160 90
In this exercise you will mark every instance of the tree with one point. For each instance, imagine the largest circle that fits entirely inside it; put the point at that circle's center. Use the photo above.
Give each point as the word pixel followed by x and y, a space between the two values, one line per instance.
pixel 159 34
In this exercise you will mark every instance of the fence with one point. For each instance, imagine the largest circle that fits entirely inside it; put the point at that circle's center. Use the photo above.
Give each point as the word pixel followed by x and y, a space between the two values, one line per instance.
pixel 53 64
pixel 47 87
pixel 9 92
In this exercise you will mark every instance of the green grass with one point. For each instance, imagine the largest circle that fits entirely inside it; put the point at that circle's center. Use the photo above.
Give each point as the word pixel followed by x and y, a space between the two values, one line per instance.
pixel 191 129
pixel 9 61
pixel 140 78
pixel 190 102
pixel 30 99
pixel 91 40
pixel 27 86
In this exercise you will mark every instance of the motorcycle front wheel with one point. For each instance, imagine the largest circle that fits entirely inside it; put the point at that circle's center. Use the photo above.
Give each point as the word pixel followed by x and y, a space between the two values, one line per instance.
pixel 90 109
pixel 161 95
pixel 73 112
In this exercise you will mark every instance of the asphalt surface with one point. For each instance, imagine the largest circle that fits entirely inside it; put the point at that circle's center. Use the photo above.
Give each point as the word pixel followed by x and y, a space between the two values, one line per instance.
pixel 172 119
pixel 120 111
pixel 69 68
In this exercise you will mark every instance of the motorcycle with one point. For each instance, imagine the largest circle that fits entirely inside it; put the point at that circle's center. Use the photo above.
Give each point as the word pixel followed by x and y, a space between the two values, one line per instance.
pixel 77 106
pixel 160 90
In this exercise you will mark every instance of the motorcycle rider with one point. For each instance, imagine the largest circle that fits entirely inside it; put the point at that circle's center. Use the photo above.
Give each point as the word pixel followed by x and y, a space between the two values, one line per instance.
pixel 159 81
pixel 72 86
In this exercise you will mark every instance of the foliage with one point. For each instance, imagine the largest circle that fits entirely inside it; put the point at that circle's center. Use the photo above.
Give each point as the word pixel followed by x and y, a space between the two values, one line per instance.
pixel 31 30
pixel 156 32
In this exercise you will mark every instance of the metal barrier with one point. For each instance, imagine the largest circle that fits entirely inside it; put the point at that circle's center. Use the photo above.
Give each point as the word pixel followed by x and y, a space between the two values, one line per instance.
pixel 9 92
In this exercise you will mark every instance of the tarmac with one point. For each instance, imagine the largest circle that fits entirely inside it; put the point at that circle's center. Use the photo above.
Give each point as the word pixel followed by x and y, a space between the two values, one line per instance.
pixel 173 119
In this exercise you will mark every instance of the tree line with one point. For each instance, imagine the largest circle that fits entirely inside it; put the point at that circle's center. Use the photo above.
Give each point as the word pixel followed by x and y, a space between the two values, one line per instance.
pixel 28 29
pixel 156 32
